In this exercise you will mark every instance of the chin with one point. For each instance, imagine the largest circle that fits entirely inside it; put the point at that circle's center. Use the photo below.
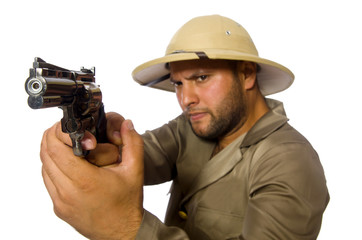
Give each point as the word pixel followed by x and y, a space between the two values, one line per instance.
pixel 202 133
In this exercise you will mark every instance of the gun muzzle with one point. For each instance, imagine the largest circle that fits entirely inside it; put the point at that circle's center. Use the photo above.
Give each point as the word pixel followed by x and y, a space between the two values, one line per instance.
pixel 34 86
pixel 47 92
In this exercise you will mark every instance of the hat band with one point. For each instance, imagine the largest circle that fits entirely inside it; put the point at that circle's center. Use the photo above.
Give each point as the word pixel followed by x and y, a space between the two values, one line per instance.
pixel 158 80
pixel 200 54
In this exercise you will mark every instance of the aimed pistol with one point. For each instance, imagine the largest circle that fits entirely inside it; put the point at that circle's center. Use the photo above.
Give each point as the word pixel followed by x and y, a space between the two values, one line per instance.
pixel 76 93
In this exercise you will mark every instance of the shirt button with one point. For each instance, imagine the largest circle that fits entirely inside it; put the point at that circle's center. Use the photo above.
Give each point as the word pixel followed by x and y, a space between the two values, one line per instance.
pixel 183 215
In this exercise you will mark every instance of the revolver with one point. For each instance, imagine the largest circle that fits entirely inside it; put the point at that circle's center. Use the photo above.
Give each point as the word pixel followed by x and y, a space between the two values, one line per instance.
pixel 76 93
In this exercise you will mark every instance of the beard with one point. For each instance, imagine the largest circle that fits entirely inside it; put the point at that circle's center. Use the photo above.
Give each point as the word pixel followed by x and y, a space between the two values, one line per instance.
pixel 228 116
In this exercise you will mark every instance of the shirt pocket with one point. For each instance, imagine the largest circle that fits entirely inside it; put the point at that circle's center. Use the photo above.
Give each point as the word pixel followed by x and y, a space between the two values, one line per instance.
pixel 217 224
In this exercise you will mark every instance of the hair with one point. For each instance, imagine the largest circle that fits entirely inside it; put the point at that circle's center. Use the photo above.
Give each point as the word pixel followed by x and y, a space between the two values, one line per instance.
pixel 234 68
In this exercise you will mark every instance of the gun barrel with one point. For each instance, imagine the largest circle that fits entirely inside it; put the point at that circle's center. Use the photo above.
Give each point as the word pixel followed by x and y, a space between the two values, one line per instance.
pixel 49 92
pixel 49 86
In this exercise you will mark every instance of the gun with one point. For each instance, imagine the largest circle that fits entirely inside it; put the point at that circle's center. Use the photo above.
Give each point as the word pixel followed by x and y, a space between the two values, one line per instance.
pixel 76 93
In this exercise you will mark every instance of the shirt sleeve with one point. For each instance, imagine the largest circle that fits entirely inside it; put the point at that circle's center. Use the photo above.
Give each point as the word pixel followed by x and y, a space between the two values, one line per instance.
pixel 153 229
pixel 161 148
pixel 288 194
pixel 161 152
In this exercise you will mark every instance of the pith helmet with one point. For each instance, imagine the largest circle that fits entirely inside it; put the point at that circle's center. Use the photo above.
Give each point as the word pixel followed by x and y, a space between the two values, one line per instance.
pixel 213 37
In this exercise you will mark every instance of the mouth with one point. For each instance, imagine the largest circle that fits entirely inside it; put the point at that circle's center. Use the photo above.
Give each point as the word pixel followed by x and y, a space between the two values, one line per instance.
pixel 196 116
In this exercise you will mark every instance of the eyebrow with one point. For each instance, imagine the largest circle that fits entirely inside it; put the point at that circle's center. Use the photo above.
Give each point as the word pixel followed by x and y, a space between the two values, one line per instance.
pixel 194 75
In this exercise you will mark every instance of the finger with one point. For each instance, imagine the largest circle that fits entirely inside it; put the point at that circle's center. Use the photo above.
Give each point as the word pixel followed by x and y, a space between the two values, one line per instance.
pixel 104 154
pixel 89 141
pixel 132 149
pixel 49 166
pixel 57 156
pixel 52 190
pixel 114 123
pixel 64 137
pixel 49 185
pixel 55 180
pixel 59 206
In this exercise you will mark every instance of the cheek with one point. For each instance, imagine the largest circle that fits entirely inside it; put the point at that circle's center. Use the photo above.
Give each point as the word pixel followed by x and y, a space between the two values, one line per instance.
pixel 215 94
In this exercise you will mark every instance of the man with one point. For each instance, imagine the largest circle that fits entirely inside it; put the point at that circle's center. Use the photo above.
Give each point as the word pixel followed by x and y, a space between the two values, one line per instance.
pixel 239 170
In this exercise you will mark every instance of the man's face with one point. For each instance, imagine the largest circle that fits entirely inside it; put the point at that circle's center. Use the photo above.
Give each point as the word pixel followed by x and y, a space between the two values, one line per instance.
pixel 210 95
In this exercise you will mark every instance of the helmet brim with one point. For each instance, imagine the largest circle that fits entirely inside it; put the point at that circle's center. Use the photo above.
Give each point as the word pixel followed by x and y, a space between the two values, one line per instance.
pixel 272 77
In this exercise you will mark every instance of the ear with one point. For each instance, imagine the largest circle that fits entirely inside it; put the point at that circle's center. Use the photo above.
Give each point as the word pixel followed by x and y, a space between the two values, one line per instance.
pixel 248 70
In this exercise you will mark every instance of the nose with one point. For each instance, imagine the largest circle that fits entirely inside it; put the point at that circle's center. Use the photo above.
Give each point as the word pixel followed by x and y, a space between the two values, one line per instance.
pixel 187 95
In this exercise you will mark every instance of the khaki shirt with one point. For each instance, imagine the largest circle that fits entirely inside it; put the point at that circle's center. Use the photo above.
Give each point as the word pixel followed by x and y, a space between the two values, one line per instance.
pixel 268 184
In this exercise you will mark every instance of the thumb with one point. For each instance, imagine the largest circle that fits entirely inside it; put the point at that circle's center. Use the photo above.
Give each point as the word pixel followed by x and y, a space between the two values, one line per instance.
pixel 132 149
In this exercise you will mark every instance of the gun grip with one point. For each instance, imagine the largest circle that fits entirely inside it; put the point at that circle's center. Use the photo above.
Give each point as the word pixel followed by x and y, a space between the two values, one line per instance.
pixel 101 128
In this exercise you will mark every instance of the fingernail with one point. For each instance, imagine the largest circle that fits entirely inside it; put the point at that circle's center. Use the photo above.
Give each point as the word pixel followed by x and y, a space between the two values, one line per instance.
pixel 87 144
pixel 130 125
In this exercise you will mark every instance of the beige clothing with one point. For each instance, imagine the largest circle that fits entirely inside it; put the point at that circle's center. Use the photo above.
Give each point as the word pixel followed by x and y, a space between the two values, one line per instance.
pixel 268 184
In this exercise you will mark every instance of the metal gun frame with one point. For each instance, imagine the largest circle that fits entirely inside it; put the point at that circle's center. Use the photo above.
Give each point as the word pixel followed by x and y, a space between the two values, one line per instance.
pixel 76 93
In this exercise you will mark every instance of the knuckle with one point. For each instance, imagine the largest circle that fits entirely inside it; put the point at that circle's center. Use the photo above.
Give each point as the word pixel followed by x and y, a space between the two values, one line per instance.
pixel 64 197
pixel 61 208
pixel 63 212
pixel 59 212
pixel 114 119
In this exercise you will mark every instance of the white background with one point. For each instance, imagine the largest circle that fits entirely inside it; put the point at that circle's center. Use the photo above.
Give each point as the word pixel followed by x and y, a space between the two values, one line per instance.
pixel 320 41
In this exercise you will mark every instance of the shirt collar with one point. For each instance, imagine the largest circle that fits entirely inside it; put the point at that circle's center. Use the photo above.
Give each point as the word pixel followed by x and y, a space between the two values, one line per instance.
pixel 267 124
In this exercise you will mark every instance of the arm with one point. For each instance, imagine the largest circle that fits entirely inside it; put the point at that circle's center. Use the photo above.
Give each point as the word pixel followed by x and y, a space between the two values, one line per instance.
pixel 288 194
pixel 161 152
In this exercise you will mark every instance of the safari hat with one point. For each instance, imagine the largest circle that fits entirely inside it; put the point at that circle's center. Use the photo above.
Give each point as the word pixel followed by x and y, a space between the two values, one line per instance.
pixel 213 37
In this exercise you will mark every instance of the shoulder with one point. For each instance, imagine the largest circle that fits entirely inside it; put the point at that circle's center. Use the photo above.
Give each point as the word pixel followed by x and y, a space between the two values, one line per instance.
pixel 285 144
pixel 287 158
pixel 283 136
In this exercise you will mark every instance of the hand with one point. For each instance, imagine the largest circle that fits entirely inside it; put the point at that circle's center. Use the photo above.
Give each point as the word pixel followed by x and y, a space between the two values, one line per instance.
pixel 100 203
pixel 104 154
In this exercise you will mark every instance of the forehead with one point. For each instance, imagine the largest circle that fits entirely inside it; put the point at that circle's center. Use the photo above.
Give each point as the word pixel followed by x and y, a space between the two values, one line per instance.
pixel 191 65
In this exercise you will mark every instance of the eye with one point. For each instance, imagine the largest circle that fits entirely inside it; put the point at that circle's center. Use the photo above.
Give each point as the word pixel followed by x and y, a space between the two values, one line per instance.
pixel 176 83
pixel 201 78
